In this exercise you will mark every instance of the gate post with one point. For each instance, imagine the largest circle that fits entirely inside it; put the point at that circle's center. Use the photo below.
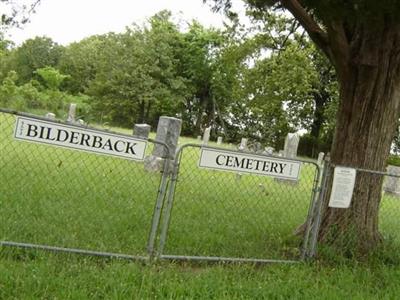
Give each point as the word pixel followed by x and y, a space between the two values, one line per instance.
pixel 319 205
pixel 159 202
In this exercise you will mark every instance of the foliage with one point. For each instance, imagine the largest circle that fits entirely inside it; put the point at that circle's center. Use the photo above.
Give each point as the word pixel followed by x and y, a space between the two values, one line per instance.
pixel 33 54
pixel 32 96
pixel 52 77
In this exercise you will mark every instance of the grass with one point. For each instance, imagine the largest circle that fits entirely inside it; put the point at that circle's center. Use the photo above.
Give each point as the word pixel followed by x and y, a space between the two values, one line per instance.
pixel 74 199
pixel 70 277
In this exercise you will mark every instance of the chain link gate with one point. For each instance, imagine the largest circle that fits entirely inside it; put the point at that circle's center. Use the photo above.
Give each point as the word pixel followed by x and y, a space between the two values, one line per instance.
pixel 389 208
pixel 60 199
pixel 216 215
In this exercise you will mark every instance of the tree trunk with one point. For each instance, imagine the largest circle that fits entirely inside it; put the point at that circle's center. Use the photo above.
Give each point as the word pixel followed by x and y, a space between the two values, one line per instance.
pixel 202 109
pixel 142 108
pixel 320 99
pixel 366 123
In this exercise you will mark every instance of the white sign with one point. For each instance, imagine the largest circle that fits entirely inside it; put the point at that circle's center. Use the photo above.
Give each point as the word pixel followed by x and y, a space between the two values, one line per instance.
pixel 89 140
pixel 249 163
pixel 342 187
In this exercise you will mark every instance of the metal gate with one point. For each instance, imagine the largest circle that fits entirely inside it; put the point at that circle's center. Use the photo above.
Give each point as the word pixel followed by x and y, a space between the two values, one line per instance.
pixel 61 199
pixel 218 215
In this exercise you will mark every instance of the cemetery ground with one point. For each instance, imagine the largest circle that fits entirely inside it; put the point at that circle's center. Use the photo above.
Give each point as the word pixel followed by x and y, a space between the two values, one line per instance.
pixel 101 219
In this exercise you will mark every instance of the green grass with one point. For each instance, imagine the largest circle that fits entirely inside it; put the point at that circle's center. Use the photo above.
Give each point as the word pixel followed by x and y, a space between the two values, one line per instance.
pixel 46 276
pixel 68 198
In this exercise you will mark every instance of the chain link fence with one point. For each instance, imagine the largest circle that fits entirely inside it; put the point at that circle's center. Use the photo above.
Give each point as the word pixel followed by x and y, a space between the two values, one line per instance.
pixel 56 198
pixel 350 227
pixel 223 216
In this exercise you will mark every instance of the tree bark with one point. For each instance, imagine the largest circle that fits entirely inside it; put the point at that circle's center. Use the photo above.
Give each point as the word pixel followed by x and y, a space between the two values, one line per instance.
pixel 320 99
pixel 141 115
pixel 366 122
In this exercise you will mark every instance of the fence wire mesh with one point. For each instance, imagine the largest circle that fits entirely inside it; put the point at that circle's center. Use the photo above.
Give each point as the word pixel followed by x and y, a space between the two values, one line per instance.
pixel 225 214
pixel 66 198
pixel 348 229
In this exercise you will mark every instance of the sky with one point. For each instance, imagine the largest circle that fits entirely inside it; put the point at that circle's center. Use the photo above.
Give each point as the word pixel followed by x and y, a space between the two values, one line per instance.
pixel 66 21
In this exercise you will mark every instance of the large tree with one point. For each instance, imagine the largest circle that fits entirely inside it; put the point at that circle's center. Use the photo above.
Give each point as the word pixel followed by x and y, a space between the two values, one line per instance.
pixel 361 38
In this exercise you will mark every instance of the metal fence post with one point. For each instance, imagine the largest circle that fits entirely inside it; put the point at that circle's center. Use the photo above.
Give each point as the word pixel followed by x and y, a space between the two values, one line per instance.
pixel 159 203
pixel 314 200
pixel 170 200
pixel 319 205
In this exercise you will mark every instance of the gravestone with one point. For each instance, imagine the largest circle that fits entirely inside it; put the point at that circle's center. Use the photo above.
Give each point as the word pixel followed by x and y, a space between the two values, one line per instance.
pixel 199 137
pixel 281 153
pixel 71 113
pixel 392 184
pixel 320 160
pixel 141 130
pixel 206 136
pixel 243 145
pixel 50 116
pixel 168 132
pixel 291 145
pixel 290 151
pixel 258 147
pixel 219 140
pixel 268 151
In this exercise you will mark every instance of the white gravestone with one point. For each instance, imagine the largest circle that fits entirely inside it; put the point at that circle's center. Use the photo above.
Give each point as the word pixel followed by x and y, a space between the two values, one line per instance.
pixel 50 116
pixel 258 147
pixel 219 140
pixel 242 147
pixel 291 145
pixel 392 184
pixel 71 113
pixel 206 136
pixel 268 151
pixel 168 132
pixel 290 151
pixel 243 144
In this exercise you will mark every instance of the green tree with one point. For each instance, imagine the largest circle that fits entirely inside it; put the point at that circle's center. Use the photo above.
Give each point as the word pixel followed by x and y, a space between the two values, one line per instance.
pixel 52 77
pixel 137 78
pixel 362 41
pixel 80 60
pixel 34 54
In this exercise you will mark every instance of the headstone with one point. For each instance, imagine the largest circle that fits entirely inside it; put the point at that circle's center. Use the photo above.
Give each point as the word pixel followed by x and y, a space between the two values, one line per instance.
pixel 219 140
pixel 290 151
pixel 281 153
pixel 71 113
pixel 243 144
pixel 206 136
pixel 268 151
pixel 320 160
pixel 199 137
pixel 81 122
pixel 392 184
pixel 242 147
pixel 168 132
pixel 141 130
pixel 291 145
pixel 50 116
pixel 258 147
